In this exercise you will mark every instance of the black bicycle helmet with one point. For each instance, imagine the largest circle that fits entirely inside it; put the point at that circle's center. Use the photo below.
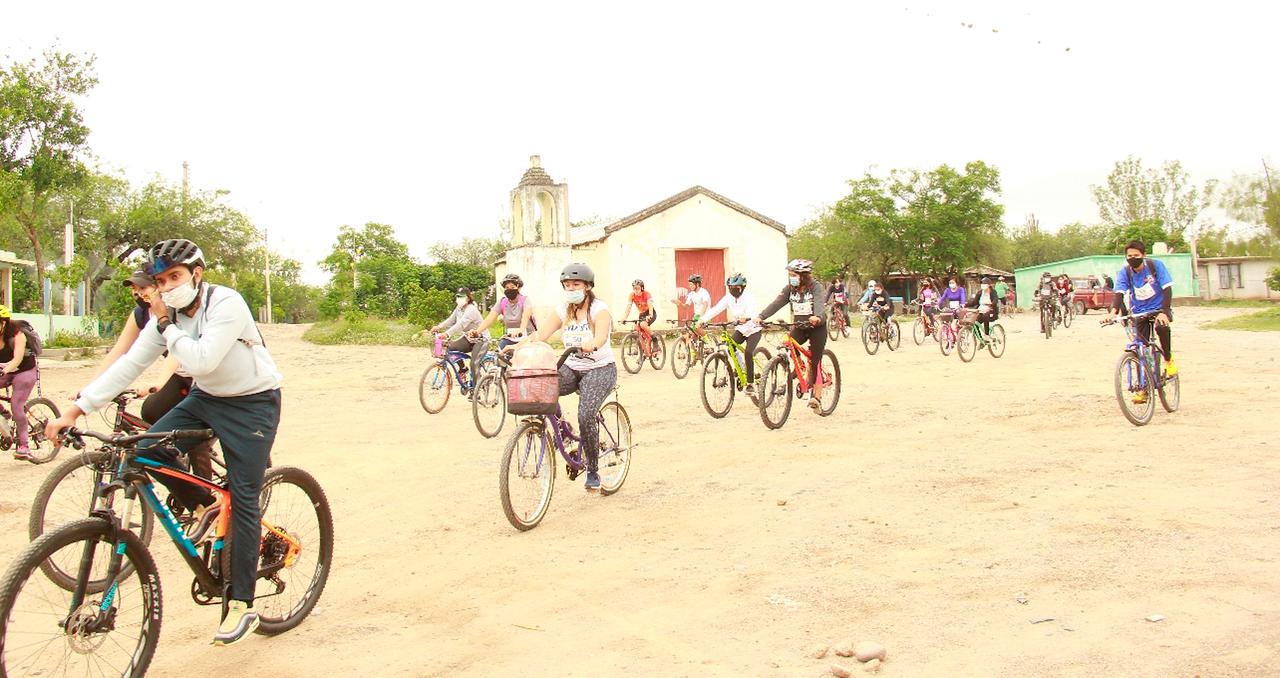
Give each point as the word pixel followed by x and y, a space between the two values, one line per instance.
pixel 696 278
pixel 578 271
pixel 512 278
pixel 736 280
pixel 169 253
pixel 639 282
pixel 462 291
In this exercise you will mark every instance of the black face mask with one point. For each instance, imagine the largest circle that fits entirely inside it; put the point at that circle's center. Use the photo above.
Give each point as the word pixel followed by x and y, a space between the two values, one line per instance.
pixel 1135 262
pixel 142 302
pixel 512 293
pixel 735 292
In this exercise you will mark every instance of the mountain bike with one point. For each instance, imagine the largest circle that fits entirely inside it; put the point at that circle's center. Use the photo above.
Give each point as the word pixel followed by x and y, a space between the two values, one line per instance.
pixel 688 349
pixel 724 373
pixel 527 473
pixel 640 345
pixel 1139 375
pixel 837 323
pixel 489 397
pixel 971 339
pixel 438 379
pixel 792 364
pixel 875 331
pixel 1048 315
pixel 39 411
pixel 924 326
pixel 108 616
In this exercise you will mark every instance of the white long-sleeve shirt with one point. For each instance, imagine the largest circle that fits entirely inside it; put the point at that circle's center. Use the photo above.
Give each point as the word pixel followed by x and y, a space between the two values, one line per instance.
pixel 220 348
pixel 741 310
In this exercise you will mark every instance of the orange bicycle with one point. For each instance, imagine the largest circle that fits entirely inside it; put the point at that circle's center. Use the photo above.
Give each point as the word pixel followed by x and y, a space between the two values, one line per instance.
pixel 640 345
pixel 792 364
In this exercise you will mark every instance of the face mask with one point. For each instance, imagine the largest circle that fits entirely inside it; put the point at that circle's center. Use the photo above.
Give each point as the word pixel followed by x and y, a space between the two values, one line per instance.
pixel 735 291
pixel 1135 262
pixel 461 301
pixel 951 285
pixel 794 280
pixel 142 302
pixel 985 286
pixel 181 296
pixel 575 296
pixel 511 294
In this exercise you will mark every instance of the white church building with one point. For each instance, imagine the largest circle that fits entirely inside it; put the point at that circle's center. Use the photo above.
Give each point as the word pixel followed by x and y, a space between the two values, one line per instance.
pixel 694 231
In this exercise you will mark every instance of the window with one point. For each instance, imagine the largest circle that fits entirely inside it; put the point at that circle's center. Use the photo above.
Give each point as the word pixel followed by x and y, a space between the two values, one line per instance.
pixel 1224 276
pixel 1235 271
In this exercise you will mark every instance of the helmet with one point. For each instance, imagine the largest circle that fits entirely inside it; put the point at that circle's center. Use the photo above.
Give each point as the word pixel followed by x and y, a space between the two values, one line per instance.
pixel 463 291
pixel 169 253
pixel 871 283
pixel 4 311
pixel 696 278
pixel 578 271
pixel 637 281
pixel 512 278
pixel 800 266
pixel 736 280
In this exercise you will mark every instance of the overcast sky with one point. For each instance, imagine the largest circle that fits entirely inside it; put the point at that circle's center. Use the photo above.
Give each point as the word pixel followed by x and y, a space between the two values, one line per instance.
pixel 320 114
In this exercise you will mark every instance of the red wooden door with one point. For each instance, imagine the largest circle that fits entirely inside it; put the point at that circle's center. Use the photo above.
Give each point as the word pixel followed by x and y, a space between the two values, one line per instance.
pixel 710 263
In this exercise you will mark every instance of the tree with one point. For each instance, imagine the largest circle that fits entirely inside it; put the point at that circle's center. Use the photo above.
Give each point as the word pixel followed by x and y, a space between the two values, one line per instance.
pixel 1133 194
pixel 1149 231
pixel 42 136
pixel 471 251
pixel 1254 199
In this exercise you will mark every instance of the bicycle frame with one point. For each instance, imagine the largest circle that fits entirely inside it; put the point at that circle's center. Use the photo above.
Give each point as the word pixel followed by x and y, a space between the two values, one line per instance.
pixel 798 358
pixel 1143 350
pixel 725 341
pixel 562 433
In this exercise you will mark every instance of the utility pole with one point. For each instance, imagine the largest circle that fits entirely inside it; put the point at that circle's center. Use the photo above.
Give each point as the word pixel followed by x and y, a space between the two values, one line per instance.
pixel 266 246
pixel 68 254
pixel 186 191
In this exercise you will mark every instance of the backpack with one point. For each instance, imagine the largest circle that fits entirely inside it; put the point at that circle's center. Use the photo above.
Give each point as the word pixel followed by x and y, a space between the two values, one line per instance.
pixel 34 346
pixel 502 308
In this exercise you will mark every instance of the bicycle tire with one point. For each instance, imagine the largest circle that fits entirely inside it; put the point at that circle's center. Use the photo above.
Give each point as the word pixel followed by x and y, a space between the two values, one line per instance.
pixel 829 372
pixel 430 388
pixel 1170 403
pixel 893 334
pixel 63 648
pixel 719 377
pixel 833 331
pixel 632 358
pixel 74 503
pixel 681 357
pixel 967 345
pixel 917 331
pixel 1128 369
pixel 758 369
pixel 489 404
pixel 530 431
pixel 615 455
pixel 658 359
pixel 995 345
pixel 775 388
pixel 1067 317
pixel 40 411
pixel 1046 320
pixel 870 344
pixel 946 339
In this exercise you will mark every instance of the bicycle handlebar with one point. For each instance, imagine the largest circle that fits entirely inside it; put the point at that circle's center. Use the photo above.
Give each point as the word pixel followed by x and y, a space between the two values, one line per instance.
pixel 72 434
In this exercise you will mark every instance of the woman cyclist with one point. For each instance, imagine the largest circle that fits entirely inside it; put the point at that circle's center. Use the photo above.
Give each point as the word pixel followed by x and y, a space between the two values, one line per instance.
pixel 517 318
pixel 643 301
pixel 18 369
pixel 465 318
pixel 928 300
pixel 837 298
pixel 742 310
pixel 988 304
pixel 592 372
pixel 806 299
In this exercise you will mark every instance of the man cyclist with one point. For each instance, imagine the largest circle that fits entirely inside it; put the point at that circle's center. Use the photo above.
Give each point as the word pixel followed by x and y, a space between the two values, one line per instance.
pixel 212 333
pixel 1045 294
pixel 1149 287
pixel 866 294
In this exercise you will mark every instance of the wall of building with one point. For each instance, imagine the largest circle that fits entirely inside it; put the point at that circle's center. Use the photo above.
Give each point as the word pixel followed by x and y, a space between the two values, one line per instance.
pixel 1251 285
pixel 1179 265
pixel 47 325
pixel 539 267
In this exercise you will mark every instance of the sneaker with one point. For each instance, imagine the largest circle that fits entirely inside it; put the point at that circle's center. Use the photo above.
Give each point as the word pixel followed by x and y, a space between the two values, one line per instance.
pixel 750 390
pixel 815 403
pixel 202 519
pixel 240 621
pixel 1170 370
pixel 1140 398
pixel 23 453
pixel 593 481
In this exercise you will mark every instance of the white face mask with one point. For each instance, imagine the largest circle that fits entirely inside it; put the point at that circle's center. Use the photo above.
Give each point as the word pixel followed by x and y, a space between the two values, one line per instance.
pixel 575 296
pixel 985 286
pixel 951 285
pixel 181 296
pixel 794 280
pixel 461 301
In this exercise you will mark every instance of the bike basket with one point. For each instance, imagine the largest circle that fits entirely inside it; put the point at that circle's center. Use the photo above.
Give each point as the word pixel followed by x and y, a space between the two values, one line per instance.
pixel 968 318
pixel 532 391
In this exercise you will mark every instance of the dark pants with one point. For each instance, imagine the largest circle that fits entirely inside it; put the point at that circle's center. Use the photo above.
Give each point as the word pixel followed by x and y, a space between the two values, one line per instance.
pixel 465 345
pixel 817 338
pixel 159 403
pixel 246 425
pixel 985 319
pixel 1162 332
pixel 593 387
pixel 752 342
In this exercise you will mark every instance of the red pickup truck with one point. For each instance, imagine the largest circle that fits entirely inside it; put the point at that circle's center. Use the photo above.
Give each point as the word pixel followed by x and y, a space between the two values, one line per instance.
pixel 1090 295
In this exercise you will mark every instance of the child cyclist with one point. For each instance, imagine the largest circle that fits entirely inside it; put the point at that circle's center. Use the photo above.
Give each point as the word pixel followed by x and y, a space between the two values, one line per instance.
pixel 742 309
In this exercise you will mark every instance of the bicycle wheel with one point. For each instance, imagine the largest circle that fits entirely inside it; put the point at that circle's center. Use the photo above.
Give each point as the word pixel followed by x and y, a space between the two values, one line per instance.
pixel 489 404
pixel 681 357
pixel 918 332
pixel 870 337
pixel 296 552
pixel 615 447
pixel 775 392
pixel 995 345
pixel 1170 391
pixel 1134 390
pixel 1067 316
pixel 433 389
pixel 1046 321
pixel 632 356
pixel 718 385
pixel 946 339
pixel 967 344
pixel 527 475
pixel 40 411
pixel 844 328
pixel 761 358
pixel 659 357
pixel 829 372
pixel 893 334
pixel 833 329
pixel 42 635
pixel 67 495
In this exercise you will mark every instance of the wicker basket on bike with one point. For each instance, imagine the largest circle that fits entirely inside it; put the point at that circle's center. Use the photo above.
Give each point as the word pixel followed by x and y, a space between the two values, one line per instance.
pixel 533 386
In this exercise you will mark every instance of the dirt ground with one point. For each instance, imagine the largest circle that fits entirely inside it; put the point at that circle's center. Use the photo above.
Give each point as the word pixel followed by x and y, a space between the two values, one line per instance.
pixel 937 499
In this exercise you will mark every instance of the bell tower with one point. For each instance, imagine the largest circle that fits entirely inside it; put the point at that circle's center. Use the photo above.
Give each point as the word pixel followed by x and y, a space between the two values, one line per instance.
pixel 539 208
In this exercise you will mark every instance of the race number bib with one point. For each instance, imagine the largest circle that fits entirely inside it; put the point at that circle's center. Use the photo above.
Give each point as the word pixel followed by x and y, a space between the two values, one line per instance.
pixel 1046 290
pixel 576 334
pixel 1145 292
pixel 515 332
pixel 802 307
pixel 953 304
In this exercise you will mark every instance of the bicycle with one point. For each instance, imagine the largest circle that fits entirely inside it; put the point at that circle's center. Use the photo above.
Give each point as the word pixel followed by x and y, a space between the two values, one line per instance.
pixel 529 458
pixel 39 411
pixel 837 323
pixel 1139 376
pixel 489 397
pixel 792 364
pixel 688 348
pixel 924 326
pixel 1066 313
pixel 435 385
pixel 948 333
pixel 640 345
pixel 724 374
pixel 971 340
pixel 110 614
pixel 875 330
pixel 1048 315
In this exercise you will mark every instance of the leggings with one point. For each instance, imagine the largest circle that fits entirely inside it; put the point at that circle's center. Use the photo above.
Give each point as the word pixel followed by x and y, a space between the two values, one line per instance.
pixel 1163 333
pixel 24 383
pixel 159 403
pixel 752 342
pixel 817 338
pixel 985 319
pixel 593 386
pixel 464 344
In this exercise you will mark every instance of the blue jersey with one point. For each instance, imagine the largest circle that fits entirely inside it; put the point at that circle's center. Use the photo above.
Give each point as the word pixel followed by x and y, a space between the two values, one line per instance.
pixel 1146 290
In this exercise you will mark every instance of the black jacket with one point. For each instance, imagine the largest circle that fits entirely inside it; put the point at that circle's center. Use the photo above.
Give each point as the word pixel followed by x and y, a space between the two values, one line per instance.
pixel 976 300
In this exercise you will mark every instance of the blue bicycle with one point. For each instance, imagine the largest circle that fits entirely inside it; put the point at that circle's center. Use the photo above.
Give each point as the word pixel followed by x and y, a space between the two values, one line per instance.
pixel 528 471
pixel 438 379
pixel 1139 376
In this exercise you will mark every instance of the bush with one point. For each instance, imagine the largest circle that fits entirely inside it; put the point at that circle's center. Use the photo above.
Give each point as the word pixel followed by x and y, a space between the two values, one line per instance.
pixel 367 331
pixel 426 308
pixel 1273 280
pixel 74 340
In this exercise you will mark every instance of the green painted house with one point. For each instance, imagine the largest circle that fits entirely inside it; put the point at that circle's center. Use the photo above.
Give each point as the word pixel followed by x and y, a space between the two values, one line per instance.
pixel 1180 267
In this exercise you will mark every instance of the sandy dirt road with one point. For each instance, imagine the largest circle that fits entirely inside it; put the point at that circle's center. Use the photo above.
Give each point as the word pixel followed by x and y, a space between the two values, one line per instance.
pixel 936 496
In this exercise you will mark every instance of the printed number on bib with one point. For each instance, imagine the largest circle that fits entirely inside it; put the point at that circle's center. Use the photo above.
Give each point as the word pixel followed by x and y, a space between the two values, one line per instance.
pixel 802 307
pixel 1145 292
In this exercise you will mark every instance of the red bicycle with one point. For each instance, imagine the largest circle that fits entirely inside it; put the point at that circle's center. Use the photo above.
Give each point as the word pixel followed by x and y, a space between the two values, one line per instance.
pixel 792 364
pixel 948 334
pixel 642 344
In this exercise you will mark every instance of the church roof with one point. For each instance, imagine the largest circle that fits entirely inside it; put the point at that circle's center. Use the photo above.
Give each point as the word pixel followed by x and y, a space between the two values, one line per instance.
pixel 595 234
pixel 536 176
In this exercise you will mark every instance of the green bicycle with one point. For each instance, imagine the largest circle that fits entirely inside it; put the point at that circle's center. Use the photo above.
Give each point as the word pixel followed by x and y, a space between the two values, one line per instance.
pixel 971 339
pixel 724 374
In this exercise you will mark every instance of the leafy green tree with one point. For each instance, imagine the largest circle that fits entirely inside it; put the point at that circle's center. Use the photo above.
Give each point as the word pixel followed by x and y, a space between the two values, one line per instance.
pixel 472 251
pixel 1254 199
pixel 1137 195
pixel 1149 231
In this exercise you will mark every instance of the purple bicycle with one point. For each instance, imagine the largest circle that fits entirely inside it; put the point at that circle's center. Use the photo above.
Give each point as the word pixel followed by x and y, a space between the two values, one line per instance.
pixel 528 471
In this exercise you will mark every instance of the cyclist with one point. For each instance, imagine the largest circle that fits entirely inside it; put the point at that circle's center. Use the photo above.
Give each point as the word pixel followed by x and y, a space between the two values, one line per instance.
pixel 741 306
pixel 953 297
pixel 516 313
pixel 927 299
pixel 866 294
pixel 700 299
pixel 18 368
pixel 837 298
pixel 806 299
pixel 1149 287
pixel 1044 294
pixel 464 319
pixel 987 301
pixel 643 301
pixel 592 372
pixel 1065 289
pixel 210 330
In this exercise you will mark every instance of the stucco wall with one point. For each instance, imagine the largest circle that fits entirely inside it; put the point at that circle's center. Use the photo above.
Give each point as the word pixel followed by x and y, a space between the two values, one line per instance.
pixel 1179 265
pixel 1253 273
pixel 61 323
pixel 539 267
